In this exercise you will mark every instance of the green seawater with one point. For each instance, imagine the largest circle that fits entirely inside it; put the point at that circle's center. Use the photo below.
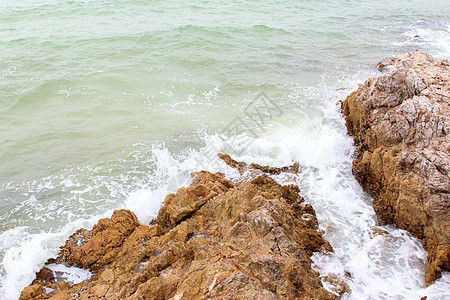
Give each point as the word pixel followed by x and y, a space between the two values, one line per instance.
pixel 100 99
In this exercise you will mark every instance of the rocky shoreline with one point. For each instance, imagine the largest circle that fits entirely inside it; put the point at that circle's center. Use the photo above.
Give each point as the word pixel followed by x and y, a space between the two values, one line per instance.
pixel 401 125
pixel 216 239
pixel 254 238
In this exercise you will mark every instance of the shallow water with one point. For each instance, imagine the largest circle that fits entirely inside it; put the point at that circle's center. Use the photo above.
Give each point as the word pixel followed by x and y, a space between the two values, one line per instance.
pixel 110 104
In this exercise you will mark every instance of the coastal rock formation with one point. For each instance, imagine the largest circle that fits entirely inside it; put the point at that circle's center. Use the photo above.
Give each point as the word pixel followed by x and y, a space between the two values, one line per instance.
pixel 212 240
pixel 401 127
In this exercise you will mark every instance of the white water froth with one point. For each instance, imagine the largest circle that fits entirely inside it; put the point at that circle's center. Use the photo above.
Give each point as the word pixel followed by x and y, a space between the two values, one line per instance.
pixel 145 203
pixel 173 173
pixel 433 37
pixel 27 252
pixel 71 275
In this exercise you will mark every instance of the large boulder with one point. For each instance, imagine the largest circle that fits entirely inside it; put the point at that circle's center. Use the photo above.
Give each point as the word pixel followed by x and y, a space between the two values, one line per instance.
pixel 401 125
pixel 215 239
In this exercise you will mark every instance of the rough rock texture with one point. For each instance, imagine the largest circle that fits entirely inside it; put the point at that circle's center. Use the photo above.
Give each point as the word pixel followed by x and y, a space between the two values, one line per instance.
pixel 255 169
pixel 401 126
pixel 212 240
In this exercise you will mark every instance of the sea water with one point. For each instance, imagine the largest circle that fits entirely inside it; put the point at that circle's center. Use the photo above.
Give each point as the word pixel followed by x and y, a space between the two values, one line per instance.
pixel 111 104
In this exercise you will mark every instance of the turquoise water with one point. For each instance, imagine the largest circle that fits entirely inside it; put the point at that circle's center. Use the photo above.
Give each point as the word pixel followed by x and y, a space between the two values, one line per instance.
pixel 110 104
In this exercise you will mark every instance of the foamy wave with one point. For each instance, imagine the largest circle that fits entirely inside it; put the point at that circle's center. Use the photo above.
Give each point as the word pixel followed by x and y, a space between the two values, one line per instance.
pixel 71 275
pixel 145 203
pixel 433 37
pixel 26 252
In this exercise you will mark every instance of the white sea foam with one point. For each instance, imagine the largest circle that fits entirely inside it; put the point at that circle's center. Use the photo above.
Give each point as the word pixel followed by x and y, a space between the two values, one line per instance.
pixel 145 203
pixel 23 259
pixel 71 275
pixel 27 251
pixel 433 37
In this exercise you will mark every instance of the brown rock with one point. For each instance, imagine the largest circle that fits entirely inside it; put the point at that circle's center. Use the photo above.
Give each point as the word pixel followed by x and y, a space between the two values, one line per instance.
pixel 401 124
pixel 107 276
pixel 98 247
pixel 62 285
pixel 214 239
pixel 100 290
pixel 385 63
pixel 255 168
pixel 31 291
pixel 45 275
pixel 61 295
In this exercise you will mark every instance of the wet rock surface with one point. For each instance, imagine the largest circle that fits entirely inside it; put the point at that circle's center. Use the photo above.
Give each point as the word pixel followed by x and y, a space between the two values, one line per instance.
pixel 215 239
pixel 401 125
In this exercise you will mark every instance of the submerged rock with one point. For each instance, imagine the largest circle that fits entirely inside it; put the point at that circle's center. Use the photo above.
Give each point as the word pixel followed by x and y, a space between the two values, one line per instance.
pixel 401 125
pixel 212 240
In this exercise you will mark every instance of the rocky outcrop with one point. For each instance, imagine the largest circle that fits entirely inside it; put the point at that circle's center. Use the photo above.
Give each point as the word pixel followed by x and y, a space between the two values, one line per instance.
pixel 215 239
pixel 401 125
